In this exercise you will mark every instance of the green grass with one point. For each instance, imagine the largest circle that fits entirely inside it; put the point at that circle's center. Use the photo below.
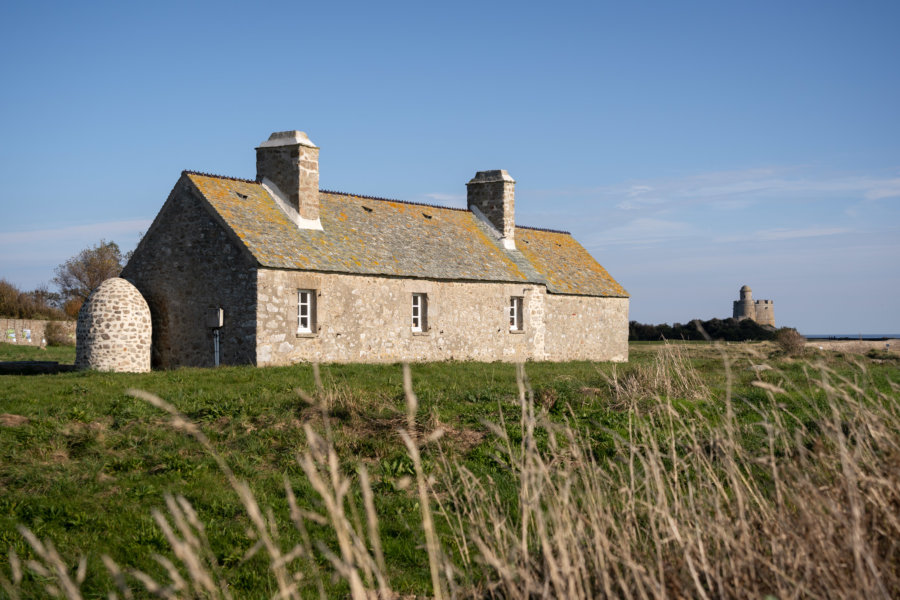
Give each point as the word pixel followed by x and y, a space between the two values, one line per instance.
pixel 64 355
pixel 91 461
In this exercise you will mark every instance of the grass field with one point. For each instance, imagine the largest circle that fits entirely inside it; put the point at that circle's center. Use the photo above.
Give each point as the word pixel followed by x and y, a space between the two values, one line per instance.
pixel 692 470
pixel 18 352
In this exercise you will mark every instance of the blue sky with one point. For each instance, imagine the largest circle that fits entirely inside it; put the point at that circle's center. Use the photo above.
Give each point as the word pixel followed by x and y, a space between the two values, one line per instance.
pixel 692 147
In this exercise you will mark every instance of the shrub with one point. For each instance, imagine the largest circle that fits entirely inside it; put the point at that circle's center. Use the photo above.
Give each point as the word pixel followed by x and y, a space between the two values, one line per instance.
pixel 789 340
pixel 729 330
pixel 881 354
pixel 72 306
pixel 670 375
pixel 36 304
pixel 9 299
pixel 57 334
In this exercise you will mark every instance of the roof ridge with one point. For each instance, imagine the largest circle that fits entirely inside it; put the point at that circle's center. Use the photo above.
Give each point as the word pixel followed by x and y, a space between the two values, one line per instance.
pixel 202 174
pixel 393 200
pixel 544 229
pixel 367 197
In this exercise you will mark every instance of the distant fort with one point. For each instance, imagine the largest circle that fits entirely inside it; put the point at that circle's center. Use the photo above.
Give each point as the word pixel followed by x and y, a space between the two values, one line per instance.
pixel 761 311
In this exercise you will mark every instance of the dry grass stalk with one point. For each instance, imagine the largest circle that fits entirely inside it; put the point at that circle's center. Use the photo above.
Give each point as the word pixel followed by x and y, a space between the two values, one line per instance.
pixel 693 513
pixel 670 375
pixel 50 565
pixel 682 507
pixel 435 558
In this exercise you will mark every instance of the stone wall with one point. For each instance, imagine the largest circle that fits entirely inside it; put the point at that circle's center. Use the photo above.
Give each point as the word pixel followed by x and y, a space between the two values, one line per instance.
pixel 368 319
pixel 586 328
pixel 186 265
pixel 30 332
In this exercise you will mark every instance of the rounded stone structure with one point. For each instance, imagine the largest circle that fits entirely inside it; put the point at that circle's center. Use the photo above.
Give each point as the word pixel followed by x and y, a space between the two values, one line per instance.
pixel 744 308
pixel 113 330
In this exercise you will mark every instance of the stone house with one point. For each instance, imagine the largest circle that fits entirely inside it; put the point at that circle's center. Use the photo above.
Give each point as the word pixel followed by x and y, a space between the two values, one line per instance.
pixel 276 271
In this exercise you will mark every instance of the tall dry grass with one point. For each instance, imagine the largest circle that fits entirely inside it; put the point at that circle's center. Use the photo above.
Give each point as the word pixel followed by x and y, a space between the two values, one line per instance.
pixel 801 504
pixel 670 375
pixel 684 509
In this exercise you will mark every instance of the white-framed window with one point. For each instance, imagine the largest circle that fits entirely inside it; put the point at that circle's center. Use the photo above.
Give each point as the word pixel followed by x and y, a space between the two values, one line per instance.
pixel 306 311
pixel 515 313
pixel 420 312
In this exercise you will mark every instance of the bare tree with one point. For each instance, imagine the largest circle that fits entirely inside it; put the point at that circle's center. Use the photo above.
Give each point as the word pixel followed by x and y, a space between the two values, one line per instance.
pixel 80 275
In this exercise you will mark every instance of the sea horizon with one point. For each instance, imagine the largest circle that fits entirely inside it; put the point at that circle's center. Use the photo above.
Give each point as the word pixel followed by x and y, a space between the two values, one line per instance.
pixel 851 336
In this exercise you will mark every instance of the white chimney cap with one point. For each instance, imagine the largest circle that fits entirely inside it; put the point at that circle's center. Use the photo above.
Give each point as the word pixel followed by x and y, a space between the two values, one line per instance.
pixel 288 138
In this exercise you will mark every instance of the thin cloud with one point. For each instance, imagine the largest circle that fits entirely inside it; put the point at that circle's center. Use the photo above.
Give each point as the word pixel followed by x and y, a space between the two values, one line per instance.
pixel 791 234
pixel 638 190
pixel 890 189
pixel 646 231
pixel 734 190
pixel 782 234
pixel 30 256
pixel 638 196
pixel 107 230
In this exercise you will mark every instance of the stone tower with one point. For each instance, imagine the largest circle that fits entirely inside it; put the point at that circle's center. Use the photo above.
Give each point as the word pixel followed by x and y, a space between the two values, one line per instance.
pixel 765 313
pixel 113 330
pixel 760 311
pixel 743 308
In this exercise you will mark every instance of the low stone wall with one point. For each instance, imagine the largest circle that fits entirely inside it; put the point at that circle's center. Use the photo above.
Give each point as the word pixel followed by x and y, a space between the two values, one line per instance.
pixel 30 332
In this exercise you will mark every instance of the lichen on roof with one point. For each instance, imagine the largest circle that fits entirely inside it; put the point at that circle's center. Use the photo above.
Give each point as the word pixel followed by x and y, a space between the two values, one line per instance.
pixel 565 264
pixel 365 235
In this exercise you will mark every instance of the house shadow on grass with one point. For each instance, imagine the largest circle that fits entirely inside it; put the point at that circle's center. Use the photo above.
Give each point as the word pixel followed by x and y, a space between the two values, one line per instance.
pixel 34 367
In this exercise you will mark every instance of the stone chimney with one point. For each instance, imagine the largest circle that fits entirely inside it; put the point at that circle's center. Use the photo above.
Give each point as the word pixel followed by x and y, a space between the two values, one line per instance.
pixel 288 164
pixel 492 196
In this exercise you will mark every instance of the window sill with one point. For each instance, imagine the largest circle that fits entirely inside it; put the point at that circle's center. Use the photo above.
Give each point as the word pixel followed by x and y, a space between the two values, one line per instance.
pixel 311 334
pixel 421 332
pixel 517 331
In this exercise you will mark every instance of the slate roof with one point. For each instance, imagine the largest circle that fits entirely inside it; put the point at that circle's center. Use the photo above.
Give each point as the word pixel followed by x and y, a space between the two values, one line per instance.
pixel 373 236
